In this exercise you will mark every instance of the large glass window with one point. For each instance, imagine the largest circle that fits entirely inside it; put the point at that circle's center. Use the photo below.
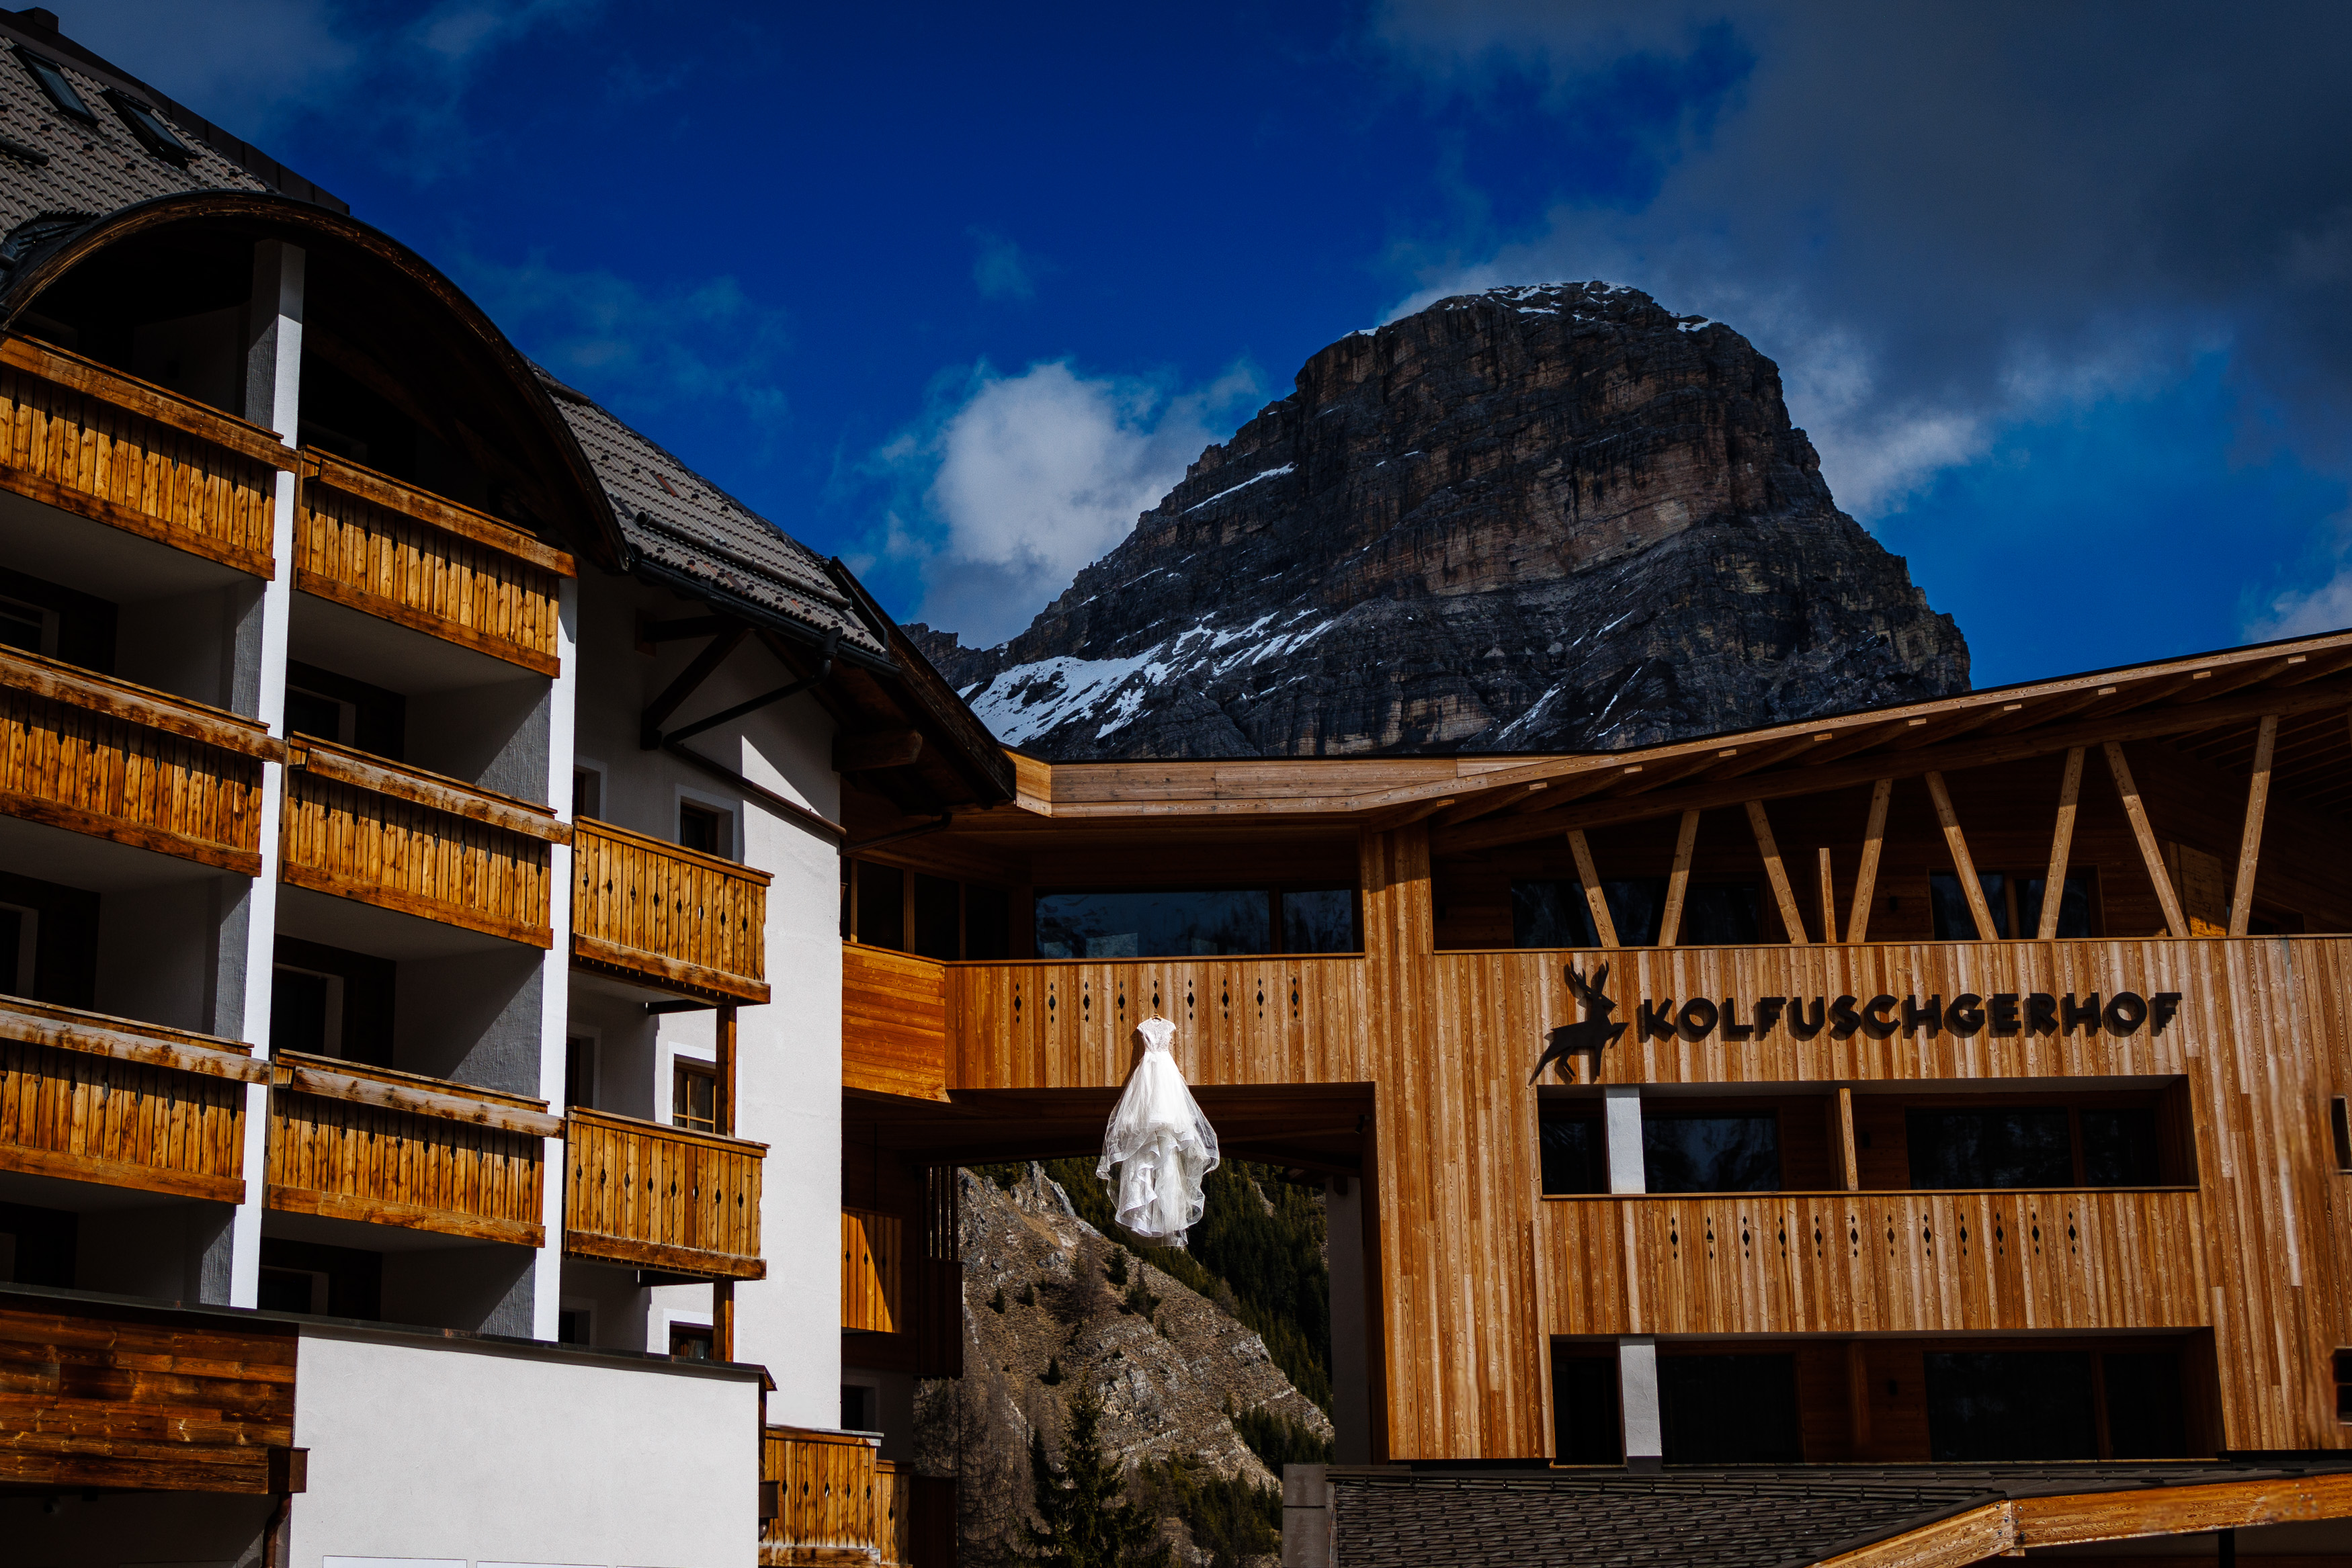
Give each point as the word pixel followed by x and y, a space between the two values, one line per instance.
pixel 1986 1405
pixel 1574 1159
pixel 1710 1153
pixel 939 917
pixel 1555 914
pixel 2013 901
pixel 1320 921
pixel 1720 914
pixel 1204 922
pixel 2119 1147
pixel 2147 1418
pixel 1585 1427
pixel 1990 1146
pixel 1729 1410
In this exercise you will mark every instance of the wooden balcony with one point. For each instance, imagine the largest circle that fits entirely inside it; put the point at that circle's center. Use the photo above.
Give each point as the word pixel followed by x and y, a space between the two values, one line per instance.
pixel 102 757
pixel 400 838
pixel 104 1396
pixel 97 1099
pixel 353 1141
pixel 827 1498
pixel 662 1198
pixel 668 917
pixel 894 1023
pixel 1893 1262
pixel 404 555
pixel 107 446
pixel 873 1272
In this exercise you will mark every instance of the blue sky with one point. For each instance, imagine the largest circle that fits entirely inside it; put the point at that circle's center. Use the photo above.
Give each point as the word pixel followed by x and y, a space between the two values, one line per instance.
pixel 955 294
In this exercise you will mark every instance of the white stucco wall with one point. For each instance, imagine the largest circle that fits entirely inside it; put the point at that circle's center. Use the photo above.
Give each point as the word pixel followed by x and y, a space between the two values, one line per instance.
pixel 473 1453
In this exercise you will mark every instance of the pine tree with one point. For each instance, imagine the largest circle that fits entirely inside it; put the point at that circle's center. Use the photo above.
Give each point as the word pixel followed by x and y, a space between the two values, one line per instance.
pixel 1084 1519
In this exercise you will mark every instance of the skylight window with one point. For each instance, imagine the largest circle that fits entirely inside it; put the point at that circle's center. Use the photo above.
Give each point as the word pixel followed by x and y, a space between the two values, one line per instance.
pixel 55 82
pixel 149 126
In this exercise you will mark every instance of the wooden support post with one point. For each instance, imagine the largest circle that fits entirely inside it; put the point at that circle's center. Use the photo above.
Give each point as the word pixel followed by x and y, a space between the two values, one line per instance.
pixel 1776 875
pixel 2249 841
pixel 1678 880
pixel 2150 853
pixel 1829 899
pixel 2062 845
pixel 1866 878
pixel 722 1320
pixel 1849 1162
pixel 1978 911
pixel 1590 880
pixel 724 1112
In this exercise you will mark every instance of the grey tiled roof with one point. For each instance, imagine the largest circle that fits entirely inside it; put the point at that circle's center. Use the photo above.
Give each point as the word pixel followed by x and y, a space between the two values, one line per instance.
pixel 676 519
pixel 1761 1518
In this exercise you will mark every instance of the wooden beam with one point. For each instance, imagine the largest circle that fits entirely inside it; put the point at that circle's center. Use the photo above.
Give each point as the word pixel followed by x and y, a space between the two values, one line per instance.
pixel 1963 1538
pixel 332 1079
pixel 418 787
pixel 1777 874
pixel 1848 1163
pixel 1678 880
pixel 722 1320
pixel 726 1107
pixel 477 527
pixel 1590 880
pixel 407 1215
pixel 149 401
pixel 2062 845
pixel 69 1029
pixel 1978 911
pixel 2181 1509
pixel 663 1257
pixel 2150 853
pixel 2250 840
pixel 1865 877
pixel 697 670
pixel 74 687
pixel 1829 898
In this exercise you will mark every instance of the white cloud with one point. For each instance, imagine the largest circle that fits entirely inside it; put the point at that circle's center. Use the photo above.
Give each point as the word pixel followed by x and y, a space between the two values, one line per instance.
pixel 1001 270
pixel 1026 478
pixel 2327 608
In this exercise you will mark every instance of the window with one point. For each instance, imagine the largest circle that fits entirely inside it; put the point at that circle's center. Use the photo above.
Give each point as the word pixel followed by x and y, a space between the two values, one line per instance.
pixel 2146 1416
pixel 575 1326
pixel 2342 1364
pixel 293 1291
pixel 55 82
pixel 1574 1153
pixel 332 1001
pixel 323 717
pixel 306 1012
pixel 313 1277
pixel 148 126
pixel 1990 1146
pixel 344 710
pixel 2013 901
pixel 987 922
pixel 704 827
pixel 587 792
pixel 1320 920
pixel 939 917
pixel 1720 914
pixel 2118 1147
pixel 693 1342
pixel 1729 1410
pixel 1151 925
pixel 580 1070
pixel 25 626
pixel 1584 1422
pixel 1985 1406
pixel 856 1408
pixel 38 1245
pixel 1710 1153
pixel 881 906
pixel 1556 913
pixel 694 1095
pixel 20 934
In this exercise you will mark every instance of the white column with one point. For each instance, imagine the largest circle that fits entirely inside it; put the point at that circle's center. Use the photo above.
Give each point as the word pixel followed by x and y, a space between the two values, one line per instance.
pixel 555 982
pixel 273 393
pixel 1621 1107
pixel 1637 1402
pixel 1351 1394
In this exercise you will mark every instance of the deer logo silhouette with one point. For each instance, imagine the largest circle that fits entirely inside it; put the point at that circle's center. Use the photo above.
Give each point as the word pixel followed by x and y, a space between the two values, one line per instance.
pixel 1594 1034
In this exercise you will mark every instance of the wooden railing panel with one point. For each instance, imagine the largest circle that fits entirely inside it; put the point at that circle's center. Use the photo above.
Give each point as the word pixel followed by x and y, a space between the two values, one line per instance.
pixel 662 1198
pixel 873 1272
pixel 894 1023
pixel 128 1040
pixel 1896 1262
pixel 365 843
pixel 107 446
pixel 388 549
pixel 95 1118
pixel 672 917
pixel 119 761
pixel 894 1514
pixel 827 1498
pixel 336 1149
pixel 101 1396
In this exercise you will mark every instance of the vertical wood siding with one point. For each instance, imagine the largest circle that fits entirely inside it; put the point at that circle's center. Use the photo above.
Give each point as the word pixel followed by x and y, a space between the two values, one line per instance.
pixel 894 1022
pixel 125 1123
pixel 826 1496
pixel 352 841
pixel 350 1160
pixel 662 1196
pixel 873 1272
pixel 669 915
pixel 94 448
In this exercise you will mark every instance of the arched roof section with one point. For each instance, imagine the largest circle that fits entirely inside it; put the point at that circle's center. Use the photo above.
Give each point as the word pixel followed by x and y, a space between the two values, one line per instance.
pixel 381 314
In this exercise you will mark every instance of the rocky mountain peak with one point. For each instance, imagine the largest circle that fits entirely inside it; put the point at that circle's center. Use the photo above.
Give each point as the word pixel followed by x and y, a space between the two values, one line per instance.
pixel 1538 518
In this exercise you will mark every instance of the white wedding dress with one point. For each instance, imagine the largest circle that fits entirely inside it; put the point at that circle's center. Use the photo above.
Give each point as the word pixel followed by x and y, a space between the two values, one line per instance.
pixel 1162 1144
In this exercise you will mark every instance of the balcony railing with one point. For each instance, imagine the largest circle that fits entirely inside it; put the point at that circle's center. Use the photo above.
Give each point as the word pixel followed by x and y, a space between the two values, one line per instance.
pixel 830 1499
pixel 873 1272
pixel 662 1198
pixel 118 761
pixel 392 550
pixel 400 838
pixel 1844 1262
pixel 353 1142
pixel 894 1023
pixel 107 1100
pixel 114 449
pixel 671 919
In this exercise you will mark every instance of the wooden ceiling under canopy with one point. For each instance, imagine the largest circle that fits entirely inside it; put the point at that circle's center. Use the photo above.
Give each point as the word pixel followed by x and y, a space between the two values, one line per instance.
pixel 2208 707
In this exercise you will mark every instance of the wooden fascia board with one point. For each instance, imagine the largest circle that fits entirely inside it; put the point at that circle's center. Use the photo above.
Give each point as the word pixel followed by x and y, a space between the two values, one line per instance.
pixel 1972 1535
pixel 2144 725
pixel 586 826
pixel 2181 1510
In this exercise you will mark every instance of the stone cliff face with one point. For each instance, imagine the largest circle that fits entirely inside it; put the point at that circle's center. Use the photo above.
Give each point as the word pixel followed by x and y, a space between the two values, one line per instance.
pixel 1533 519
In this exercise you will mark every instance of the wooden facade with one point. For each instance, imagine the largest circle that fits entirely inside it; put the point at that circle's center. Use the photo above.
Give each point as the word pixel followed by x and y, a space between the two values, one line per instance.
pixel 102 757
pixel 662 1198
pixel 874 1273
pixel 669 918
pixel 127 1105
pixel 107 446
pixel 403 839
pixel 93 1394
pixel 353 1141
pixel 404 555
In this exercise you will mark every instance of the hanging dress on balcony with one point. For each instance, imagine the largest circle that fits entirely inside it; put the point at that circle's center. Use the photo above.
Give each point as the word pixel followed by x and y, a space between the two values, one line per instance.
pixel 1162 1144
